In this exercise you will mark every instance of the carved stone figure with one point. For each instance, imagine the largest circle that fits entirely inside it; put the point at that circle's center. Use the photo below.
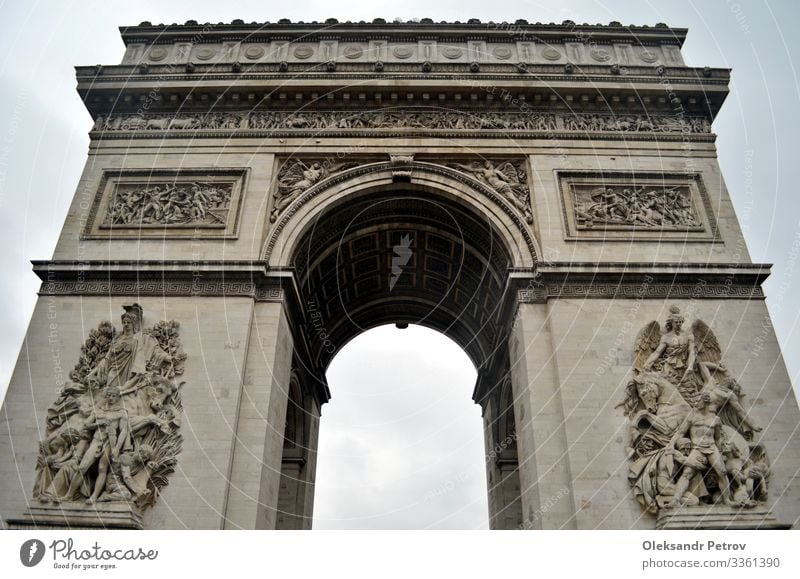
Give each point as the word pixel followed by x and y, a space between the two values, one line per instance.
pixel 125 480
pixel 508 179
pixel 705 433
pixel 111 435
pixel 169 204
pixel 113 432
pixel 691 440
pixel 58 463
pixel 675 353
pixel 724 397
pixel 296 177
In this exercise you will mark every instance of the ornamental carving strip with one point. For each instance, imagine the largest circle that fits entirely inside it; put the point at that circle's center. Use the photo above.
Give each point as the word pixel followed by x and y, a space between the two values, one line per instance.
pixel 402 122
pixel 165 286
pixel 655 290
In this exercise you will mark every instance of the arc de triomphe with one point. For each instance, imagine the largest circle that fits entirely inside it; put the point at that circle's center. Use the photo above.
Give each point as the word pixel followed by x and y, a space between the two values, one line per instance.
pixel 256 195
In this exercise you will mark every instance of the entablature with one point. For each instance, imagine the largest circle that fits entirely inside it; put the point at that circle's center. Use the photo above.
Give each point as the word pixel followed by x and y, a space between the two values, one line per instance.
pixel 687 91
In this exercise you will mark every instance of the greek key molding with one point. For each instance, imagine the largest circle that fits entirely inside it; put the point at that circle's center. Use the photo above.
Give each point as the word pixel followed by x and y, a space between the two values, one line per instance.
pixel 260 291
pixel 657 290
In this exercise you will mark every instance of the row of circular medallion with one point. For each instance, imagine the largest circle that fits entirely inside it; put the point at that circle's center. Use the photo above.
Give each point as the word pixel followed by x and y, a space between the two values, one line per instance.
pixel 303 52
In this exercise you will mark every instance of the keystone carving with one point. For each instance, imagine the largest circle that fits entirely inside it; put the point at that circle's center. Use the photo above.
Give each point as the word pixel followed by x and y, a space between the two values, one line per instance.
pixel 401 166
pixel 691 439
pixel 507 178
pixel 112 434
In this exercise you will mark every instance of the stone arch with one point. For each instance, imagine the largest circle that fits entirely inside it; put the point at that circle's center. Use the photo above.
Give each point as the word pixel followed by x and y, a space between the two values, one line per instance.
pixel 340 241
pixel 427 177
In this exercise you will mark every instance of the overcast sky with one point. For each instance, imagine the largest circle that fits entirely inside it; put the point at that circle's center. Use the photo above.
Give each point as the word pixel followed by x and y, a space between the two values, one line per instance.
pixel 401 442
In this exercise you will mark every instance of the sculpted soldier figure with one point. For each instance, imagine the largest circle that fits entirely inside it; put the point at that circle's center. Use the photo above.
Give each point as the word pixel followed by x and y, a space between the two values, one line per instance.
pixel 152 205
pixel 131 355
pixel 704 429
pixel 113 431
pixel 111 435
pixel 59 459
pixel 724 397
pixel 122 484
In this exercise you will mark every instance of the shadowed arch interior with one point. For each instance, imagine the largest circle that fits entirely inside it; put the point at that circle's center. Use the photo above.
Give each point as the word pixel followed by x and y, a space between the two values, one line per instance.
pixel 402 256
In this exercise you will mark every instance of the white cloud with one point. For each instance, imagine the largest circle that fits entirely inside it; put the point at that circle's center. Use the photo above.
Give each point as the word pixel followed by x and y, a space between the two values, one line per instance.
pixel 401 442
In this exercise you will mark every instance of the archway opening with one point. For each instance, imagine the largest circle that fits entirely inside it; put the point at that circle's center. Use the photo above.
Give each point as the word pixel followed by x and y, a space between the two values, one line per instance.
pixel 412 258
pixel 401 443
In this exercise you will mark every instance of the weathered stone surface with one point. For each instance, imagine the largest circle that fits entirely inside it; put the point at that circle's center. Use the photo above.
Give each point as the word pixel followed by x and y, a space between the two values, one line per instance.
pixel 77 516
pixel 715 517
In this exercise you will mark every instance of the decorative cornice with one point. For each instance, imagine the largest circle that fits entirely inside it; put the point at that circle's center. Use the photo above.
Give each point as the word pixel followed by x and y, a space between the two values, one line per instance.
pixel 425 27
pixel 662 290
pixel 157 279
pixel 641 281
pixel 460 74
pixel 547 281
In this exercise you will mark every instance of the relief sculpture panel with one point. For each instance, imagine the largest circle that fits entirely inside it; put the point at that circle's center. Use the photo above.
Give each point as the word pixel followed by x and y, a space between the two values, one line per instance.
pixel 617 205
pixel 692 442
pixel 167 204
pixel 113 433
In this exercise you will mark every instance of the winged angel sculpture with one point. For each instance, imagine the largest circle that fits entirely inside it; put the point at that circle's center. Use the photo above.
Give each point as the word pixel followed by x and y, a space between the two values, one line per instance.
pixel 113 432
pixel 297 177
pixel 691 440
pixel 507 179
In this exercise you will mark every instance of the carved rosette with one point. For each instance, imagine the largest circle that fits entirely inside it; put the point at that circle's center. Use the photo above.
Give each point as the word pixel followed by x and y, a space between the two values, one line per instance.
pixel 692 443
pixel 113 433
